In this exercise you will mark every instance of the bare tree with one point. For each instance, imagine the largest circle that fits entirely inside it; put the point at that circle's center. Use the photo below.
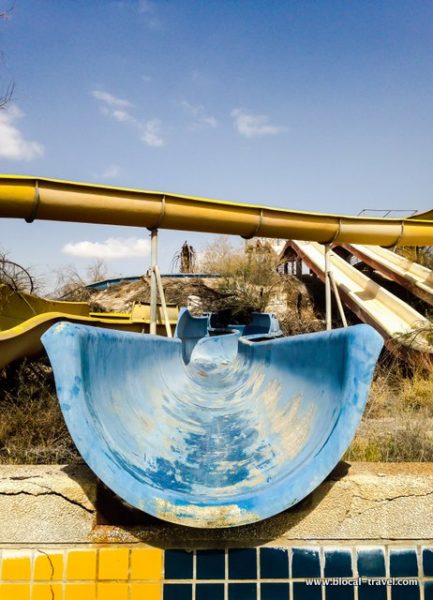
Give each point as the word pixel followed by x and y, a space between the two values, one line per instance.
pixel 72 286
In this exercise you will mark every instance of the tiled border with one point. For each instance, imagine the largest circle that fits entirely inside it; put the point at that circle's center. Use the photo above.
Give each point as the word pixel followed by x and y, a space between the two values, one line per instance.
pixel 137 572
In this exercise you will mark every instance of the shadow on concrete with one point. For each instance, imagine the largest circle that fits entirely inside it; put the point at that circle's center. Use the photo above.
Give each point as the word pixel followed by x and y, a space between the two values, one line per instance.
pixel 116 521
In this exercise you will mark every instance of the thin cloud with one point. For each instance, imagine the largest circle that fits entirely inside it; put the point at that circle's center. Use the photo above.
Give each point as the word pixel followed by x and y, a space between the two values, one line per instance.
pixel 250 125
pixel 13 145
pixel 151 133
pixel 112 248
pixel 148 10
pixel 146 7
pixel 111 172
pixel 199 115
pixel 122 116
pixel 118 109
pixel 110 100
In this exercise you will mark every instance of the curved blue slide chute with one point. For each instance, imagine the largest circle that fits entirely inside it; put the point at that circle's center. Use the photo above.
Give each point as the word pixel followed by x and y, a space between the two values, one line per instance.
pixel 242 431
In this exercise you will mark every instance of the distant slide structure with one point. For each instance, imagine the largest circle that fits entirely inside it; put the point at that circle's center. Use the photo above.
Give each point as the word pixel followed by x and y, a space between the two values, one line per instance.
pixel 25 317
pixel 411 275
pixel 374 305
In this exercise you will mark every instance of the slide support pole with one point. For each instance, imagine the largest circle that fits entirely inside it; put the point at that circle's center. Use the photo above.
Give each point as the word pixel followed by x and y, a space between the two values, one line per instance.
pixel 338 299
pixel 153 282
pixel 328 291
pixel 163 303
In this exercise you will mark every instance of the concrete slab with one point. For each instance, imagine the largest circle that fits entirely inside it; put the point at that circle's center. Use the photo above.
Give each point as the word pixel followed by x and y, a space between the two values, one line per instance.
pixel 359 502
pixel 49 503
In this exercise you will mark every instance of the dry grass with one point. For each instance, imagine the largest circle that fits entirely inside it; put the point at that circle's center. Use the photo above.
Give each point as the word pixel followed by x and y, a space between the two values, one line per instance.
pixel 248 276
pixel 411 442
pixel 398 420
pixel 32 429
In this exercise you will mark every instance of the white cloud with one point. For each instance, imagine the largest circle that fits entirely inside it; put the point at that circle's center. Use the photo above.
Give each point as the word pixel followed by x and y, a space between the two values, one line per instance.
pixel 13 146
pixel 115 108
pixel 250 125
pixel 109 99
pixel 151 133
pixel 122 116
pixel 109 249
pixel 199 115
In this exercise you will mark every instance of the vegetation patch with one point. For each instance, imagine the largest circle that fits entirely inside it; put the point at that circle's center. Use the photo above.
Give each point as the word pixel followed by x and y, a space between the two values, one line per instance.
pixel 398 421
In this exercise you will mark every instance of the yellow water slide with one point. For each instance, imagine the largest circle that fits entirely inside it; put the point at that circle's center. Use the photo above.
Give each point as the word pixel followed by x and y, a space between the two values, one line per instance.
pixel 33 198
pixel 393 318
pixel 409 274
pixel 25 317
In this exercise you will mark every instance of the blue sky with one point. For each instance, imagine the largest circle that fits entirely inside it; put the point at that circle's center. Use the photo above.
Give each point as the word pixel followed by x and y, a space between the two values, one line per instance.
pixel 313 105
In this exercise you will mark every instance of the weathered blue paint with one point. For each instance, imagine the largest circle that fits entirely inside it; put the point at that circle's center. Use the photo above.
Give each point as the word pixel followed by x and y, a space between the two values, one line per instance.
pixel 266 323
pixel 192 329
pixel 243 431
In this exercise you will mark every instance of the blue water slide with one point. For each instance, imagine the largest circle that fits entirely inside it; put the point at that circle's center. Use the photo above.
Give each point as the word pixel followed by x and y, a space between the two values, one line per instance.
pixel 243 430
pixel 190 330
pixel 266 323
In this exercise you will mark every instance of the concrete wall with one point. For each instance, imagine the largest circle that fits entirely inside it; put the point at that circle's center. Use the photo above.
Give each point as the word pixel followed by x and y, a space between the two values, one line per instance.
pixel 63 536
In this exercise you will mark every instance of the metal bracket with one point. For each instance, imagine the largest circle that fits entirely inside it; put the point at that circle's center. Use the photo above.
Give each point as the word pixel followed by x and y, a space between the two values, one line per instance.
pixel 36 201
pixel 161 216
pixel 257 229
pixel 336 234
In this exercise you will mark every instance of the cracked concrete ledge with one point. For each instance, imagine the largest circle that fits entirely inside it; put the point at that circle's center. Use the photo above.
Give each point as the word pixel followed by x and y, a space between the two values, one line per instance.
pixel 358 502
pixel 46 503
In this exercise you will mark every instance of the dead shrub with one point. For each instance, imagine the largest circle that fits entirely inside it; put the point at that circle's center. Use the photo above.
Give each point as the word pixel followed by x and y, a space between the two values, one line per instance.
pixel 32 429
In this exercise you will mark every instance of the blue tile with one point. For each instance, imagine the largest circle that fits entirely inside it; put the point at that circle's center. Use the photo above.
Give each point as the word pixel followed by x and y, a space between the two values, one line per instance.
pixel 403 563
pixel 274 563
pixel 177 591
pixel 210 564
pixel 339 592
pixel 372 592
pixel 242 591
pixel 274 591
pixel 428 590
pixel 209 591
pixel 178 564
pixel 338 563
pixel 302 591
pixel 371 562
pixel 405 592
pixel 305 563
pixel 243 564
pixel 427 561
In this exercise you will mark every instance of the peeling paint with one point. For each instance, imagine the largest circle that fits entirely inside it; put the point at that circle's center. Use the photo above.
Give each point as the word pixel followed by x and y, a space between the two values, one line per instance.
pixel 204 516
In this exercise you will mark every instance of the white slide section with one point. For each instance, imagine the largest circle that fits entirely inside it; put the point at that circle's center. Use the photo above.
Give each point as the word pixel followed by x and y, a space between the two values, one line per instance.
pixel 392 317
pixel 409 274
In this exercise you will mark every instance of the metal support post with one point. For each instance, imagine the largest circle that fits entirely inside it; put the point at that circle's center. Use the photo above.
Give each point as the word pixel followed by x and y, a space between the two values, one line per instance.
pixel 338 299
pixel 153 282
pixel 163 303
pixel 328 291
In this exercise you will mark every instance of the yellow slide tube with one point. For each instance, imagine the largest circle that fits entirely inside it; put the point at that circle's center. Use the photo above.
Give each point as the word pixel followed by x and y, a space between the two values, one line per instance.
pixel 33 198
pixel 24 318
